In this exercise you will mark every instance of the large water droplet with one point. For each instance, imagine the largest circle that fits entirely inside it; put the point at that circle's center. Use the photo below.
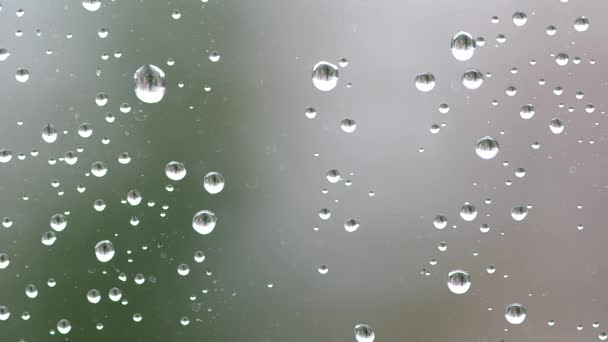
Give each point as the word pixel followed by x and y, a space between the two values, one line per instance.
pixel 325 76
pixel 94 296
pixel 91 5
pixel 487 147
pixel 351 225
pixel 468 212
pixel 204 222
pixel 175 171
pixel 520 18
pixel 64 326
pixel 364 333
pixel 459 281
pixel 515 313
pixel 58 222
pixel 527 112
pixel 581 24
pixel 49 133
pixel 519 213
pixel 556 126
pixel 463 46
pixel 425 82
pixel 472 79
pixel 22 75
pixel 213 182
pixel 149 83
pixel 104 251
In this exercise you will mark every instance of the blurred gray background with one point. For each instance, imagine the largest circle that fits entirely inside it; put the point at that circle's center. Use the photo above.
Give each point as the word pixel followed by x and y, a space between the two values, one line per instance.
pixel 251 128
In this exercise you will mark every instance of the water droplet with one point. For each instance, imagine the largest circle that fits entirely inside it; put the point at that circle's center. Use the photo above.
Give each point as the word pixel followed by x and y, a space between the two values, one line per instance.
pixel 472 79
pixel 515 313
pixel 364 333
pixel 581 24
pixel 333 176
pixel 487 147
pixel 425 82
pixel 49 133
pixel 520 18
pixel 468 212
pixel 519 213
pixel 91 5
pixel 64 326
pixel 58 222
pixel 99 169
pixel 325 76
pixel 556 126
pixel 459 281
pixel 5 155
pixel 104 251
pixel 527 112
pixel 31 291
pixel 602 336
pixel 85 130
pixel 199 256
pixel 213 182
pixel 183 270
pixel 48 238
pixel 324 214
pixel 214 56
pixel 22 75
pixel 4 261
pixel 348 125
pixel 440 222
pixel 4 54
pixel 149 83
pixel 94 296
pixel 351 225
pixel 323 269
pixel 310 112
pixel 204 222
pixel 463 46
pixel 562 59
pixel 115 294
pixel 175 170
pixel 176 14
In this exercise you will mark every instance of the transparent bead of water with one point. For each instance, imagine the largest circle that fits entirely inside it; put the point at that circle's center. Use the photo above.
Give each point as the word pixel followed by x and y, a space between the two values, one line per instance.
pixel 323 269
pixel 104 251
pixel 472 79
pixel 348 125
pixel 487 147
pixel 99 169
pixel 204 222
pixel 364 333
pixel 149 83
pixel 91 5
pixel 515 313
pixel 49 133
pixel 64 326
pixel 94 296
pixel 463 46
pixel 459 281
pixel 527 112
pixel 425 82
pixel 213 182
pixel 556 126
pixel 440 222
pixel 351 225
pixel 562 59
pixel 519 213
pixel 22 75
pixel 333 176
pixel 58 222
pixel 175 171
pixel 468 212
pixel 325 76
pixel 31 291
pixel 520 18
pixel 581 24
